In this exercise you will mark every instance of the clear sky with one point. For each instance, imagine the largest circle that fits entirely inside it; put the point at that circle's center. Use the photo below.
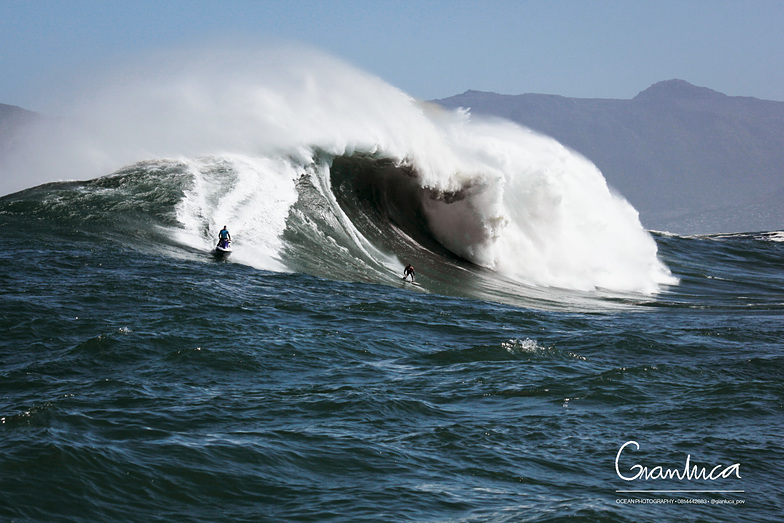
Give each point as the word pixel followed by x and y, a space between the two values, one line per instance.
pixel 428 48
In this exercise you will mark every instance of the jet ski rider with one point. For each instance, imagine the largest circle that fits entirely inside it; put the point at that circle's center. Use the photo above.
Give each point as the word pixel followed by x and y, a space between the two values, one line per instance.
pixel 224 237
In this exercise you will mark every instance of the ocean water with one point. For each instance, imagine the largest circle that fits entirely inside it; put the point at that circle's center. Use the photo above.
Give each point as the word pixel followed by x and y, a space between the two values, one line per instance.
pixel 300 379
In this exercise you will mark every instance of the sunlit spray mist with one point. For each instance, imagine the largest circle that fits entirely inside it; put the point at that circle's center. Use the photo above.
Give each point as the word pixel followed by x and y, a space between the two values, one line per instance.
pixel 493 193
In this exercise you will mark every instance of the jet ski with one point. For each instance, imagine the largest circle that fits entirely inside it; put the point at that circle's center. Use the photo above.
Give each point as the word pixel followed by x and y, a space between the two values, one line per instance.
pixel 223 249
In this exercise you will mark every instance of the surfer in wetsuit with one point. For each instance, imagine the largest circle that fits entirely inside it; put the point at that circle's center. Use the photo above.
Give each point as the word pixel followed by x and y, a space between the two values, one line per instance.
pixel 224 237
pixel 409 270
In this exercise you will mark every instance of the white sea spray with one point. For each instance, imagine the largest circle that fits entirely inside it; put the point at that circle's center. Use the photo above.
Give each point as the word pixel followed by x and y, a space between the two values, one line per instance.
pixel 494 193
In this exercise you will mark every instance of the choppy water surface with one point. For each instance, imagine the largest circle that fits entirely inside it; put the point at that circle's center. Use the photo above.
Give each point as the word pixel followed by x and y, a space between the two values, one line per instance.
pixel 138 385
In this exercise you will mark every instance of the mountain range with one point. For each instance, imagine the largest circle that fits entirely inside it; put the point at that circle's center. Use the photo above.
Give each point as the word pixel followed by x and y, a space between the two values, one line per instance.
pixel 691 160
pixel 12 118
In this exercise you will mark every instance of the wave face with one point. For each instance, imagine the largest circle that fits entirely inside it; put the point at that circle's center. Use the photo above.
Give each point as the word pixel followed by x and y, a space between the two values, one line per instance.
pixel 320 168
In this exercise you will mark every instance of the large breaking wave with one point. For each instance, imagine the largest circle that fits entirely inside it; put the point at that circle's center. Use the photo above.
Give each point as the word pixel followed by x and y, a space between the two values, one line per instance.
pixel 318 167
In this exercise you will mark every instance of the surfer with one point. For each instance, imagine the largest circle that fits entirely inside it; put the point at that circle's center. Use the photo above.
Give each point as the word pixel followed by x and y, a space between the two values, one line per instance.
pixel 409 270
pixel 224 237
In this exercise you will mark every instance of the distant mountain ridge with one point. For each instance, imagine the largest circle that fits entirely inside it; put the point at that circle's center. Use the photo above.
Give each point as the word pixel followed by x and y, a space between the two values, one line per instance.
pixel 12 118
pixel 690 159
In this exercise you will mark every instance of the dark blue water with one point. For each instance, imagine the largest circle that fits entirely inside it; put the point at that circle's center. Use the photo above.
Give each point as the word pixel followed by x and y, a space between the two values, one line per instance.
pixel 145 381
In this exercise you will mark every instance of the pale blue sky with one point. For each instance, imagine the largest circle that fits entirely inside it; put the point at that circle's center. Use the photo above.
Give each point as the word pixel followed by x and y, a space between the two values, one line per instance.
pixel 430 49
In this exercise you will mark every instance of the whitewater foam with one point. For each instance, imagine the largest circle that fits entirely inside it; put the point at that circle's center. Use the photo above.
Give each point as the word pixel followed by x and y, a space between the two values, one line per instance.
pixel 252 194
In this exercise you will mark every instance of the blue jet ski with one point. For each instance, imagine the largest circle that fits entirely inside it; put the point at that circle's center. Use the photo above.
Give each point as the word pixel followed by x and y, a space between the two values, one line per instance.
pixel 223 249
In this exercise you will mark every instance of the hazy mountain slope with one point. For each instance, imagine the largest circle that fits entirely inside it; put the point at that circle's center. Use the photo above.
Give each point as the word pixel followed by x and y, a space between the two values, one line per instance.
pixel 11 119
